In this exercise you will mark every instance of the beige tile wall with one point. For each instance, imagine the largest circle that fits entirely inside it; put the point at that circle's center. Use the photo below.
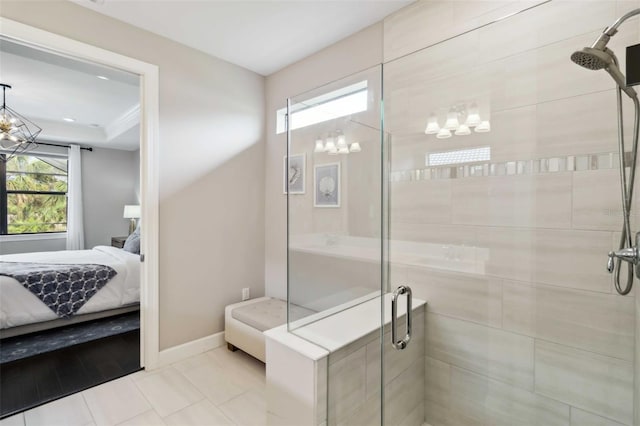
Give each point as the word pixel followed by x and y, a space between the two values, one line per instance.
pixel 539 337
pixel 354 384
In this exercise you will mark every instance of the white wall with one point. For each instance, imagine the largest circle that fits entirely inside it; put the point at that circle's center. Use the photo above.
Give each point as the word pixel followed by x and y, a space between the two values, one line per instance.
pixel 109 179
pixel 211 167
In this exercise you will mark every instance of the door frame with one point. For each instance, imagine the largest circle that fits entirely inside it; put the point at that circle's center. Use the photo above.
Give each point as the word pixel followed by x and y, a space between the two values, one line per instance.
pixel 149 159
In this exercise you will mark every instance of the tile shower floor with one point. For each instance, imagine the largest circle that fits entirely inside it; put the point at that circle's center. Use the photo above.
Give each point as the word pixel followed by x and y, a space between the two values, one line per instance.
pixel 215 388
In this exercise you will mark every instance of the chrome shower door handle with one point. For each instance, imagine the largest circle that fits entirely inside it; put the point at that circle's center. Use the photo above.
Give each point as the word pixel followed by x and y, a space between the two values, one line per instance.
pixel 402 343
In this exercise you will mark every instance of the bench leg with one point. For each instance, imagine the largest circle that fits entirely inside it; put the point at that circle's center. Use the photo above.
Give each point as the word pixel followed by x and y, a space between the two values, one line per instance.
pixel 231 347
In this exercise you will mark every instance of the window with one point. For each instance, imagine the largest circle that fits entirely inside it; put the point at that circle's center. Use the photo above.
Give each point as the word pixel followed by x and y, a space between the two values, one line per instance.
pixel 33 195
pixel 338 103
pixel 472 155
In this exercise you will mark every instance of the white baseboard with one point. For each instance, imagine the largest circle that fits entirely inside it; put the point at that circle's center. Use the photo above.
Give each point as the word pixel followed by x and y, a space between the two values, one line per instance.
pixel 189 349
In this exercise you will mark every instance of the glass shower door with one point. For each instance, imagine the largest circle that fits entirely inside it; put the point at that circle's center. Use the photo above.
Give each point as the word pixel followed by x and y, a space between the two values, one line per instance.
pixel 504 201
pixel 334 179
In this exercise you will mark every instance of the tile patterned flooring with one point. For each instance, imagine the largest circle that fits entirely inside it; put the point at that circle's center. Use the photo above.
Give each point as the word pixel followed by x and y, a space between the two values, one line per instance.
pixel 214 388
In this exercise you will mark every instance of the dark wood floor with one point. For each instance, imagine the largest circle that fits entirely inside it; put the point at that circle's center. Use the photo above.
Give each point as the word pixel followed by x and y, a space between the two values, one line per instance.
pixel 29 382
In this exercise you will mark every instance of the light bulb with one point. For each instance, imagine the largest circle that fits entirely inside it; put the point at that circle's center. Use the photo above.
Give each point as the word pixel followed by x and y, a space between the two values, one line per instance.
pixel 319 146
pixel 329 145
pixel 452 122
pixel 355 147
pixel 463 130
pixel 443 134
pixel 483 127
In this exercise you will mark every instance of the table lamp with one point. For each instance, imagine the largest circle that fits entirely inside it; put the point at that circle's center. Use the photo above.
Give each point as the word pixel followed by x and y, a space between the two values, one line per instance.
pixel 131 212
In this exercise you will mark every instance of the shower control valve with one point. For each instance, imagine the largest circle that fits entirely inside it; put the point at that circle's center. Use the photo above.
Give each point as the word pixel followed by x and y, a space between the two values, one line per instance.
pixel 630 254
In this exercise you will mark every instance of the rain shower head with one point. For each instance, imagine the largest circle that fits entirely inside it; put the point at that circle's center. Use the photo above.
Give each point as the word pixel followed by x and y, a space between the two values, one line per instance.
pixel 592 59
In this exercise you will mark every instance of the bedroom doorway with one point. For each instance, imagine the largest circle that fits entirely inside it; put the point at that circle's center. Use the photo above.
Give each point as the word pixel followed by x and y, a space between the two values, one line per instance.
pixel 12 35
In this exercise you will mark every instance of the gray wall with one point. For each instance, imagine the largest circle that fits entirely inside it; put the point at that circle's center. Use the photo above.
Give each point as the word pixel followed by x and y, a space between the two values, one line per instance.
pixel 109 179
pixel 30 246
pixel 211 167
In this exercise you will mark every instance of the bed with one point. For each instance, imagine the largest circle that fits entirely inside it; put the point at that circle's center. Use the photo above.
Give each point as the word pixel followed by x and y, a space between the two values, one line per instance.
pixel 22 312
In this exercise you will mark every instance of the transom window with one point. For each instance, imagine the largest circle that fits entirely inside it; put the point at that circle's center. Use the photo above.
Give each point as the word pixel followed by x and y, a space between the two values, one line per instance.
pixel 348 100
pixel 33 195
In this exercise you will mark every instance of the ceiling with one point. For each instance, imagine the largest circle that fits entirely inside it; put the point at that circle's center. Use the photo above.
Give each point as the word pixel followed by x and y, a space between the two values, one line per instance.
pixel 47 88
pixel 263 36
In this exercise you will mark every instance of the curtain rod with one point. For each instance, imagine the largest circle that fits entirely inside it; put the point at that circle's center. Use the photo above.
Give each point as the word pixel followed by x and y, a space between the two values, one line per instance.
pixel 62 146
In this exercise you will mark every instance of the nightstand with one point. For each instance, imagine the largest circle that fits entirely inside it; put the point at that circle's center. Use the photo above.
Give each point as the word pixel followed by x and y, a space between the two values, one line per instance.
pixel 118 241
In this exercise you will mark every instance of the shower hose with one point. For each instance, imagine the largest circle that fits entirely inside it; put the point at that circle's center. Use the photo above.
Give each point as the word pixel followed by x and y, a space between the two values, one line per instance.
pixel 626 239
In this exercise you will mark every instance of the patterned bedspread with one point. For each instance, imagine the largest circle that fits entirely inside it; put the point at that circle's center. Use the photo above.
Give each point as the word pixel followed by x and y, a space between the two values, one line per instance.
pixel 63 288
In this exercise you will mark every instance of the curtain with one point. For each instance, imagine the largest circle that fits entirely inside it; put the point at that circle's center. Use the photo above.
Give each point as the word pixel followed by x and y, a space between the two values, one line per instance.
pixel 75 221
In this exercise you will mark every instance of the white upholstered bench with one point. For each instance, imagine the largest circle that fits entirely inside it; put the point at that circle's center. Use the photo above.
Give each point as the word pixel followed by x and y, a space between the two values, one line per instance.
pixel 244 323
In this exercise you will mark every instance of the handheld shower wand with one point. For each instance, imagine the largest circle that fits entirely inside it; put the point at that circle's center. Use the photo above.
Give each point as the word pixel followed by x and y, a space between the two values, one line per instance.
pixel 598 57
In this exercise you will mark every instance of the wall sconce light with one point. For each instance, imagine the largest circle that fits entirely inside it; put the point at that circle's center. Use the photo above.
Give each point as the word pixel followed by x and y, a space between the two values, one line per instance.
pixel 336 145
pixel 460 120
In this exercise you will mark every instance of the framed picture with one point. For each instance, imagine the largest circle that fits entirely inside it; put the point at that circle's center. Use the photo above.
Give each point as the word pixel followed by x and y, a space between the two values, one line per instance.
pixel 326 185
pixel 294 176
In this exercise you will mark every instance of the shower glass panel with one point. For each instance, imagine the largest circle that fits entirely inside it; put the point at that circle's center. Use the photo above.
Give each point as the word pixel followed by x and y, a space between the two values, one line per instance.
pixel 335 238
pixel 334 197
pixel 504 201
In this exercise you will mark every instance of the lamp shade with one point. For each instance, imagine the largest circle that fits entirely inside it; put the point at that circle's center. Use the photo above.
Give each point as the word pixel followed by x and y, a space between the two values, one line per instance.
pixel 329 145
pixel 432 125
pixel 443 133
pixel 432 128
pixel 473 119
pixel 355 147
pixel 342 142
pixel 483 127
pixel 463 130
pixel 452 122
pixel 131 212
pixel 319 146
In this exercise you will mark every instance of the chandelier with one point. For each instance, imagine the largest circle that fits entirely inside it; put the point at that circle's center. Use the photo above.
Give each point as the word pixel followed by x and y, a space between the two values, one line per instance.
pixel 17 134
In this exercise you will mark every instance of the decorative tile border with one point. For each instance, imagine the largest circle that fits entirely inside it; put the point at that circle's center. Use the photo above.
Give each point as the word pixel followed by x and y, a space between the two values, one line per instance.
pixel 603 161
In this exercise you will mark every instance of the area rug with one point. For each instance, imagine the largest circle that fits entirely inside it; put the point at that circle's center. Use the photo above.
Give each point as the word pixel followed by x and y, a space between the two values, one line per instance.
pixel 14 348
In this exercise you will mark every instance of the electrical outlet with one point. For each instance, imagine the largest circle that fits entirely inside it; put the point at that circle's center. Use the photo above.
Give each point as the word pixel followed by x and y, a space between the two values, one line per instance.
pixel 245 294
